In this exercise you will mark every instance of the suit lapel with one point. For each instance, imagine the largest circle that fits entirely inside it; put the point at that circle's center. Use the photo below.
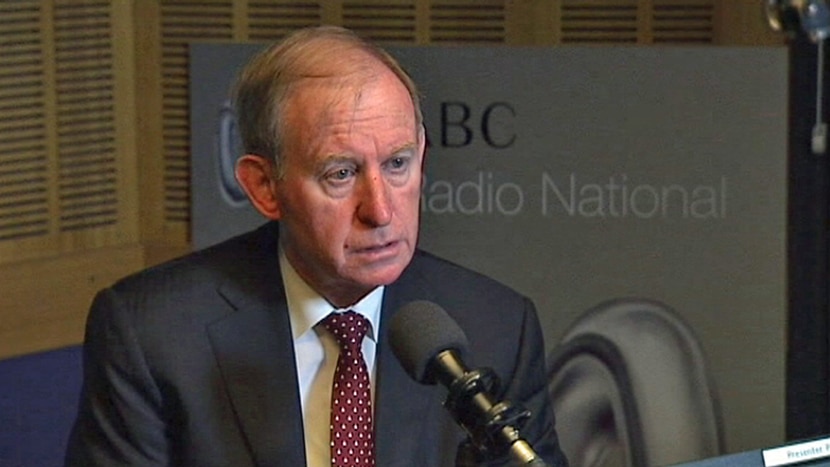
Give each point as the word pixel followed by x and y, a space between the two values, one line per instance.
pixel 255 353
pixel 404 408
pixel 254 350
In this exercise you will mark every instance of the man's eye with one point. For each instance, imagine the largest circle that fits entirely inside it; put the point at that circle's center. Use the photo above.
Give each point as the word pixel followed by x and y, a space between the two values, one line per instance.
pixel 340 174
pixel 397 163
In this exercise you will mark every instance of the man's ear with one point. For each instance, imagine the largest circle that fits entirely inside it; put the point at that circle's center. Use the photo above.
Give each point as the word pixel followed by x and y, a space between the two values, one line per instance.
pixel 256 176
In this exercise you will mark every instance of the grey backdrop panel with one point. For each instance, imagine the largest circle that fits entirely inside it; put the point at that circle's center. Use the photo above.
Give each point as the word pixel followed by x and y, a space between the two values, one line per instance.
pixel 578 175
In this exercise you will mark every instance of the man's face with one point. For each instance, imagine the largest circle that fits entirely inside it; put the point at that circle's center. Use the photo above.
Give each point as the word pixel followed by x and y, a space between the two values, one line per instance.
pixel 349 198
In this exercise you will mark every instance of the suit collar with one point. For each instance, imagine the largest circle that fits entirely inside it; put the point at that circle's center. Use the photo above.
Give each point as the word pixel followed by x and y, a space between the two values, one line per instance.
pixel 255 354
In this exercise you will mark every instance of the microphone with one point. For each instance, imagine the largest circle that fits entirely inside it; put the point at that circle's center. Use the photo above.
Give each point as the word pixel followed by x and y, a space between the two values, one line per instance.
pixel 431 347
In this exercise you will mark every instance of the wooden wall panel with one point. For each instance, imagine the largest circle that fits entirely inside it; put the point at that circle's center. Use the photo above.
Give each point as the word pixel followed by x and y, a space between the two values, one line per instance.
pixel 44 303
pixel 24 152
pixel 94 116
pixel 67 165
pixel 599 21
pixel 87 175
pixel 62 181
pixel 682 21
pixel 390 22
pixel 467 22
pixel 270 20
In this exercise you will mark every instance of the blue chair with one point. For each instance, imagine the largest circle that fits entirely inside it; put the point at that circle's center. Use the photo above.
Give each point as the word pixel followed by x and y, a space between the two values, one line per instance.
pixel 38 403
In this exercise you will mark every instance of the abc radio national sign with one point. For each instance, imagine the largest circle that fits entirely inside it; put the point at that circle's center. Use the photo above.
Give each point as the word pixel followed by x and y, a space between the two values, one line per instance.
pixel 582 174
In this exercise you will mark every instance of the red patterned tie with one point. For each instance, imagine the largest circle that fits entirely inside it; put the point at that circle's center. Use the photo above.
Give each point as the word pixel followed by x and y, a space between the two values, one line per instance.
pixel 352 440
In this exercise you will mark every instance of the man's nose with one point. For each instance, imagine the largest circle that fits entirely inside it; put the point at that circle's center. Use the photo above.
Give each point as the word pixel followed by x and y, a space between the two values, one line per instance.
pixel 375 203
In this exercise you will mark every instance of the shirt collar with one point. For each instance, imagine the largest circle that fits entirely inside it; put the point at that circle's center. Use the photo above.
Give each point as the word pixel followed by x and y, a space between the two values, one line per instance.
pixel 306 307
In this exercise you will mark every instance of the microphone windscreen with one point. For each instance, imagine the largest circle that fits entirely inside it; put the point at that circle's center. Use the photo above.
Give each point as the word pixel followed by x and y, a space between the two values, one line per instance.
pixel 418 332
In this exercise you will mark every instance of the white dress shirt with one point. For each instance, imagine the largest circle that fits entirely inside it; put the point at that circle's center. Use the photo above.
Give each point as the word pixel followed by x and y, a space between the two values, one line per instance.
pixel 316 352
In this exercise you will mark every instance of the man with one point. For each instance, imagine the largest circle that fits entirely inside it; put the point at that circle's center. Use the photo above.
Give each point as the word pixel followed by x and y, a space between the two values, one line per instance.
pixel 225 357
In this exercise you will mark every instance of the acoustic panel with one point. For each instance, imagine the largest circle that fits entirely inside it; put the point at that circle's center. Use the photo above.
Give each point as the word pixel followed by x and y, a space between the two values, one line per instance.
pixel 24 163
pixel 467 22
pixel 631 21
pixel 682 21
pixel 271 20
pixel 85 118
pixel 383 21
pixel 599 21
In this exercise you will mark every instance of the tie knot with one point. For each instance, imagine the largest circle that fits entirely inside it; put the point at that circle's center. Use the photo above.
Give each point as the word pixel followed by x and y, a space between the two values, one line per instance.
pixel 348 328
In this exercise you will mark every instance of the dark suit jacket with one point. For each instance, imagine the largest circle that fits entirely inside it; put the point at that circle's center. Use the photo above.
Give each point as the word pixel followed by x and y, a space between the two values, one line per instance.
pixel 192 363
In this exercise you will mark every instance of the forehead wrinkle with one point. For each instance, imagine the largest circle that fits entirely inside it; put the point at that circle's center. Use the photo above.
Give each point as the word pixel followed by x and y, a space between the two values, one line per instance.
pixel 336 90
pixel 348 156
pixel 333 94
pixel 358 95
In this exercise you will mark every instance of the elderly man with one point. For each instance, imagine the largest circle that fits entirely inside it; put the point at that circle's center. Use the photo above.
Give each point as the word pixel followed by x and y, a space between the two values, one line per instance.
pixel 244 353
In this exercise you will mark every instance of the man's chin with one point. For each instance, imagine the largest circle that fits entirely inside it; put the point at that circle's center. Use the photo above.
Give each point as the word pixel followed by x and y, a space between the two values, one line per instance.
pixel 375 277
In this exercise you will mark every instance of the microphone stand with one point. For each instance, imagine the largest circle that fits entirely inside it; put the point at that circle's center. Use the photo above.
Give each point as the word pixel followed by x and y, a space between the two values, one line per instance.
pixel 493 428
